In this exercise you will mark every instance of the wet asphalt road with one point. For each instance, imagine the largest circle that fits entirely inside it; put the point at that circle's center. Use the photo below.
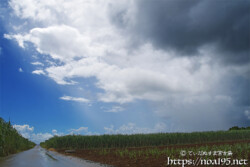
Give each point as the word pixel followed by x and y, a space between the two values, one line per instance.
pixel 39 157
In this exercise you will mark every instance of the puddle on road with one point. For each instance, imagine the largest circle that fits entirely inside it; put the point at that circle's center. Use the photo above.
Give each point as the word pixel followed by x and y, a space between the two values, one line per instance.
pixel 51 157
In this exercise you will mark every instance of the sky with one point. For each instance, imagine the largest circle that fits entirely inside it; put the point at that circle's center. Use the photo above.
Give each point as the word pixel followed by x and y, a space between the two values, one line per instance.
pixel 95 67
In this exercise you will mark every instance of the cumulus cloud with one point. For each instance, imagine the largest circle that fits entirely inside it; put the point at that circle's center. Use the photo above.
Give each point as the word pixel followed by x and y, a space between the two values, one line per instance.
pixel 172 54
pixel 27 131
pixel 150 79
pixel 77 99
pixel 24 130
pixel 96 52
pixel 38 72
pixel 131 128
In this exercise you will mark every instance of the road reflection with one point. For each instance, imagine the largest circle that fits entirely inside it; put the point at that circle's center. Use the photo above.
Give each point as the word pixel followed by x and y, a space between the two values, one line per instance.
pixel 39 157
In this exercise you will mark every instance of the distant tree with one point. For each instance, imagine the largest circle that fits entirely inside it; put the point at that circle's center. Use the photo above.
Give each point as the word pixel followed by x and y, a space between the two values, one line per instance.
pixel 238 128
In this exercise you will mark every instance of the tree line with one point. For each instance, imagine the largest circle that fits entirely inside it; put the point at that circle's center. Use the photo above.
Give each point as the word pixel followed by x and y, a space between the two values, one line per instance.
pixel 11 141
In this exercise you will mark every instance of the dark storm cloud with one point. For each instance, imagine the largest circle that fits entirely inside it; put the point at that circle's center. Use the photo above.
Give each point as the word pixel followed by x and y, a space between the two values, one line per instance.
pixel 186 25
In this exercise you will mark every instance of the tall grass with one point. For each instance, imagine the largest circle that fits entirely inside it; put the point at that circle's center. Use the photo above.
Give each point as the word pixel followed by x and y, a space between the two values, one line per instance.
pixel 140 140
pixel 11 141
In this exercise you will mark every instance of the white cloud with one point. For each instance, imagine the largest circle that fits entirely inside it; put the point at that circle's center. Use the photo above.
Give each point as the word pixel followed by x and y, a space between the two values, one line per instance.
pixel 20 69
pixel 33 9
pixel 27 131
pixel 24 130
pixel 115 109
pixel 37 63
pixel 131 128
pixel 90 46
pixel 82 131
pixel 83 43
pixel 65 38
pixel 54 131
pixel 247 114
pixel 40 137
pixel 77 99
pixel 38 72
pixel 18 37
pixel 135 82
pixel 79 130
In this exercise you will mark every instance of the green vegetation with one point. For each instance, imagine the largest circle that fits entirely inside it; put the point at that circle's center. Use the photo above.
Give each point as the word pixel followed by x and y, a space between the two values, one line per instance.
pixel 239 150
pixel 238 128
pixel 141 140
pixel 11 141
pixel 148 149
